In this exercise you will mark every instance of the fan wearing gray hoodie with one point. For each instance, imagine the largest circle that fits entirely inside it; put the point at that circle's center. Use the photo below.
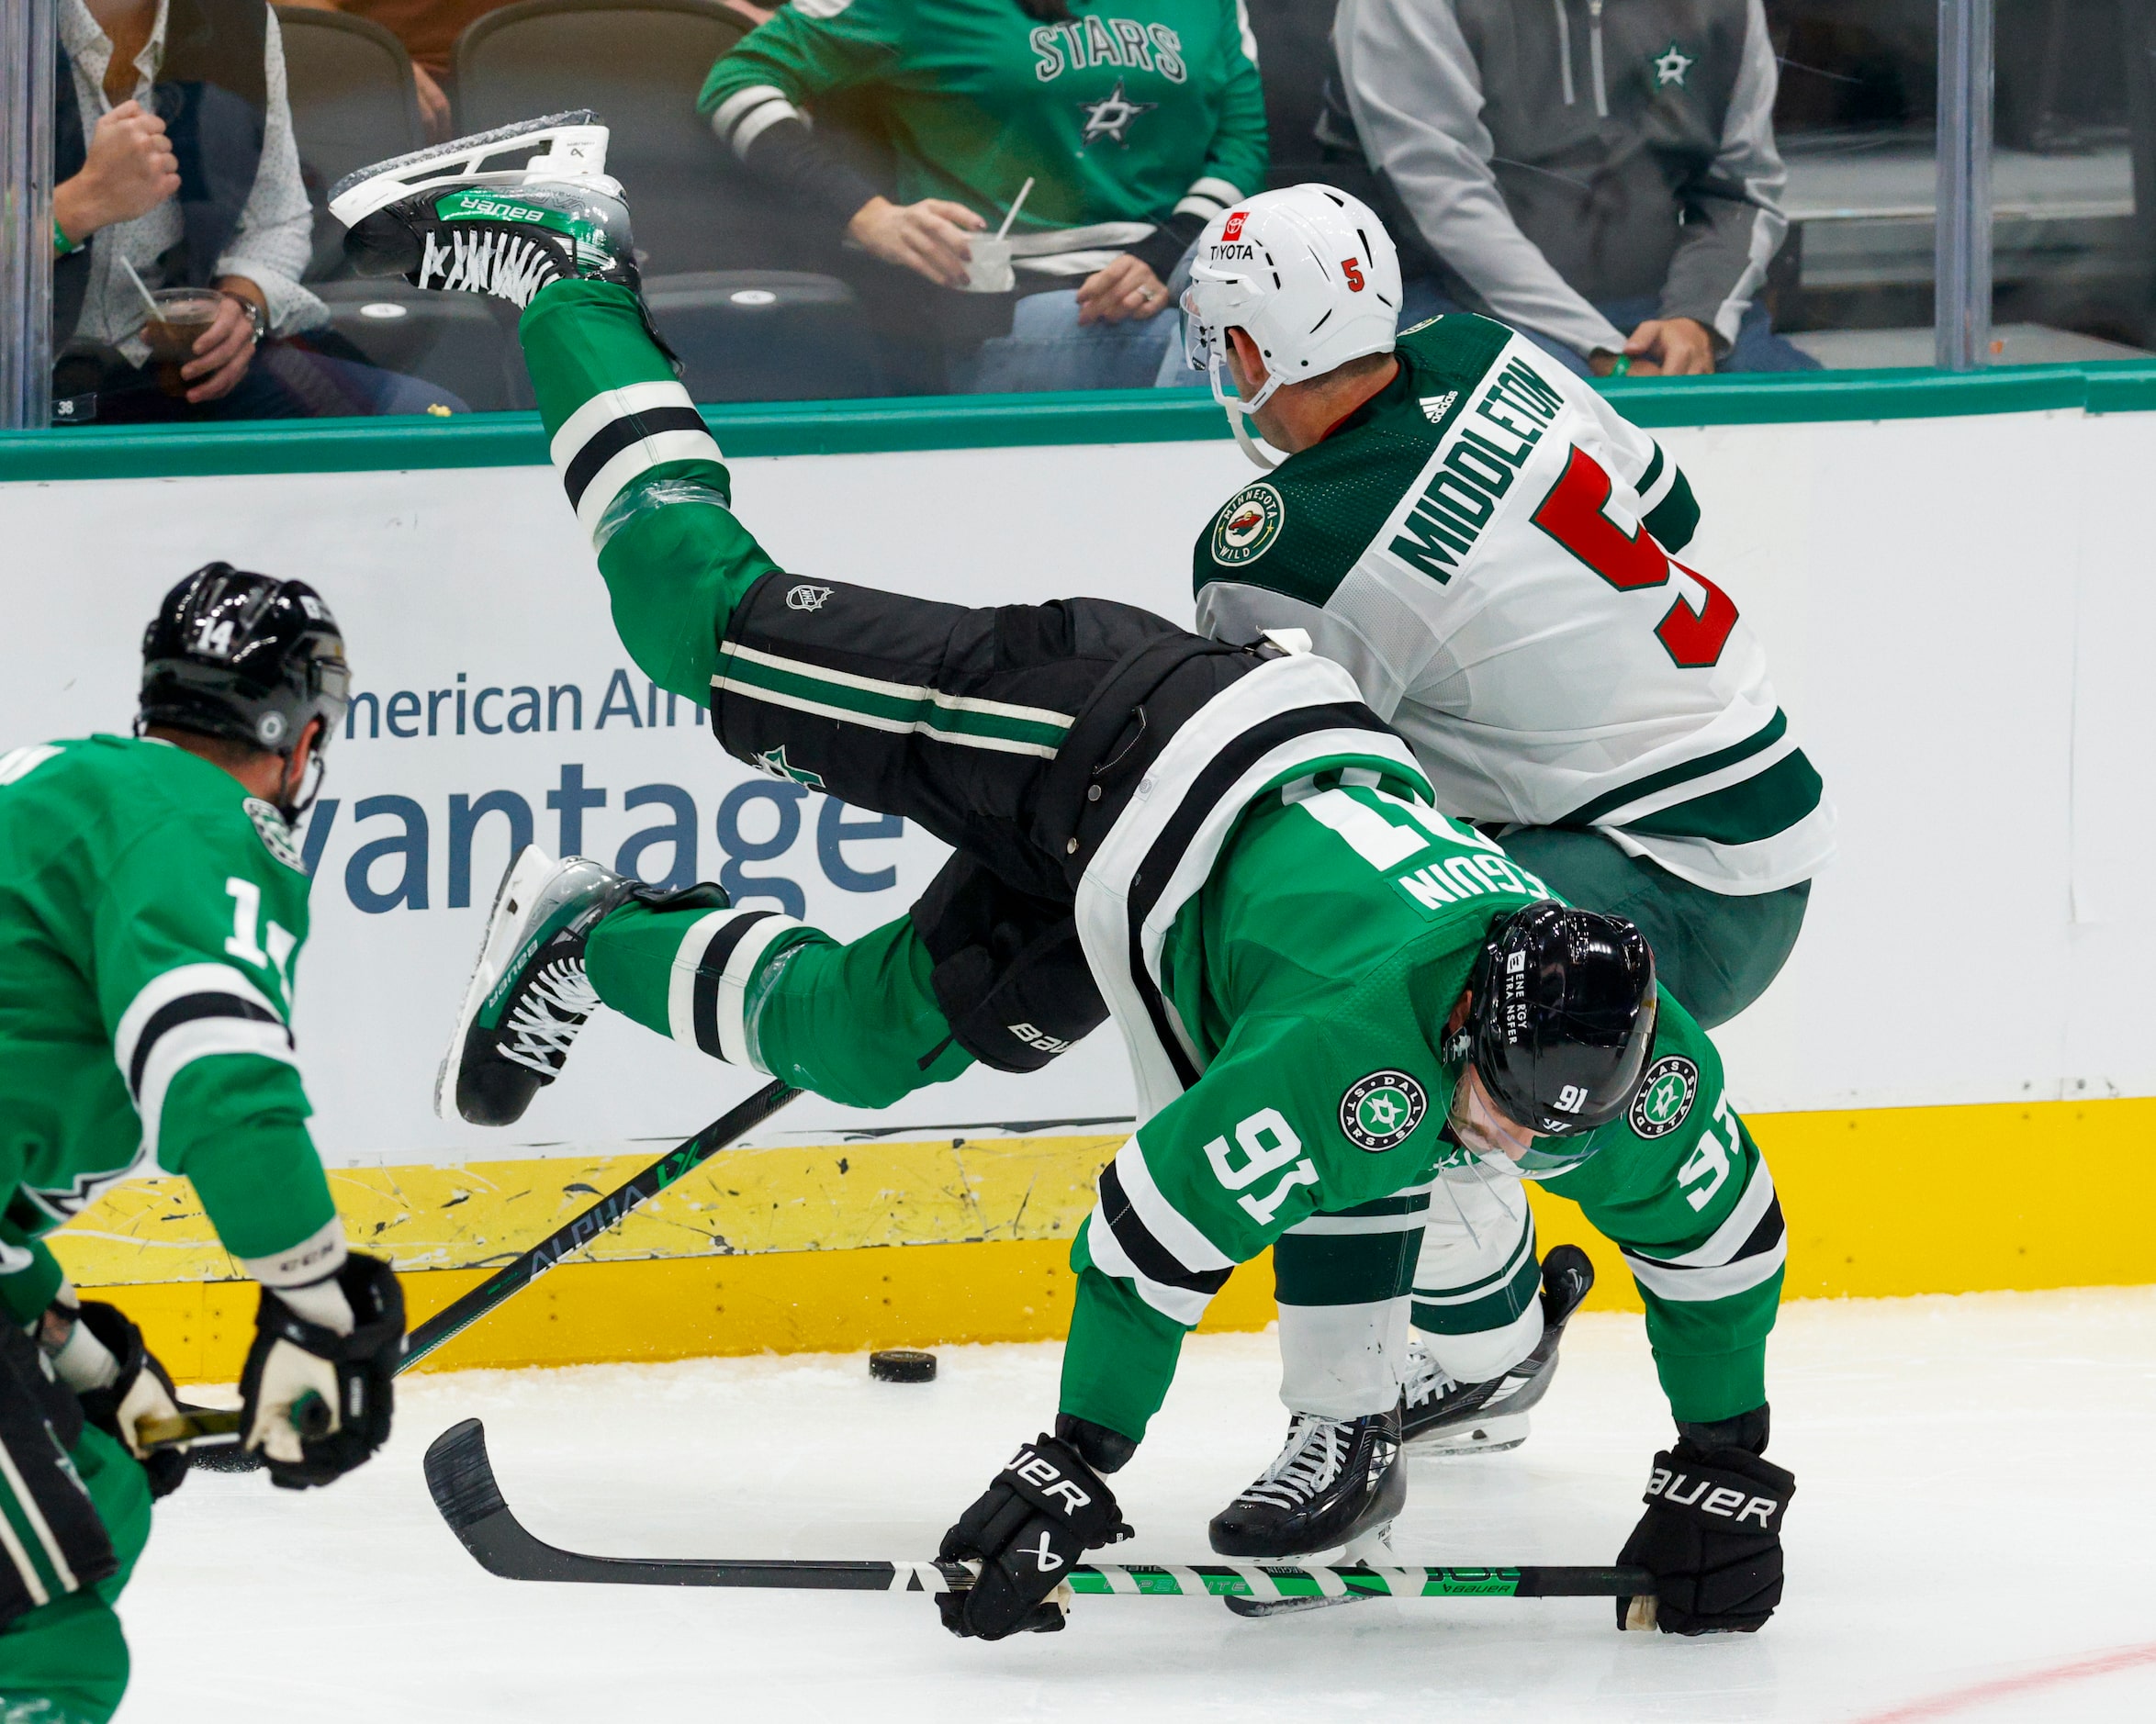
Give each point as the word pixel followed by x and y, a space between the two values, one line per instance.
pixel 1601 175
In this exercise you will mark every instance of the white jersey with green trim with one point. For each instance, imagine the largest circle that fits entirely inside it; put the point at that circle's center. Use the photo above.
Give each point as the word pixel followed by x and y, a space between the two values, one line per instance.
pixel 1486 546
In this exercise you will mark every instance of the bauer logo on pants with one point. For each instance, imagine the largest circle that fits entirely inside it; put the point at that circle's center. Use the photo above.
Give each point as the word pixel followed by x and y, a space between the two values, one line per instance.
pixel 1250 522
pixel 1664 1096
pixel 1380 1110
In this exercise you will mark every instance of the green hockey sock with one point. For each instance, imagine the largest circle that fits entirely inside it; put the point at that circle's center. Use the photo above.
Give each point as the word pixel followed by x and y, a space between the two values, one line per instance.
pixel 644 477
pixel 856 1024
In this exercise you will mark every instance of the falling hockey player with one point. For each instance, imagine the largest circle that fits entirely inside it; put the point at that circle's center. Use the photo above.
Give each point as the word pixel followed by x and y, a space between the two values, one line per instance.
pixel 151 914
pixel 1325 985
pixel 1484 542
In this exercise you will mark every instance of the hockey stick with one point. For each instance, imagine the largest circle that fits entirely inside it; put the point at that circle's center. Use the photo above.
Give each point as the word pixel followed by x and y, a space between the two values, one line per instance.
pixel 461 1478
pixel 520 1272
pixel 513 1277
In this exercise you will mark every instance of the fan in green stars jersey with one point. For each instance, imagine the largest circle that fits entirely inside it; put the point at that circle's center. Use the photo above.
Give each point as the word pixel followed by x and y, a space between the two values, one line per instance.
pixel 152 908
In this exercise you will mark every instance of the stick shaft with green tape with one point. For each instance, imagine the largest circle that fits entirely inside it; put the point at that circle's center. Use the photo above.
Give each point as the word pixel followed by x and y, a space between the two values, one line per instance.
pixel 460 1475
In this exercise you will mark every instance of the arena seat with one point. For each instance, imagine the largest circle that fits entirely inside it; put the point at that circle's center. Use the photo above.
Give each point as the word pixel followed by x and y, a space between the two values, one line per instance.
pixel 765 335
pixel 353 103
pixel 464 344
pixel 638 64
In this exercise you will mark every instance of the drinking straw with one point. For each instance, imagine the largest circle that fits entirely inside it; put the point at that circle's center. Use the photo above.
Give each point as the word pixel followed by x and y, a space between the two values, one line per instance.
pixel 147 300
pixel 1018 203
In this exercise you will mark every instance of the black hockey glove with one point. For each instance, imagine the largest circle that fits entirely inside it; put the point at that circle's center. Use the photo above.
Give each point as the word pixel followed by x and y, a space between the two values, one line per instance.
pixel 99 1353
pixel 1044 1512
pixel 316 1402
pixel 1712 1535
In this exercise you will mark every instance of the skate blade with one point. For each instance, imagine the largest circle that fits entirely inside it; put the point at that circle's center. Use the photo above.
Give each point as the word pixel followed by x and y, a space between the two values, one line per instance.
pixel 1475 1437
pixel 1372 1549
pixel 577 147
pixel 1258 1610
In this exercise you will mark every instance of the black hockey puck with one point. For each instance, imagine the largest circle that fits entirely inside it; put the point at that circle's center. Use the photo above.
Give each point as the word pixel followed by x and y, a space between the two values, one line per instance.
pixel 901 1364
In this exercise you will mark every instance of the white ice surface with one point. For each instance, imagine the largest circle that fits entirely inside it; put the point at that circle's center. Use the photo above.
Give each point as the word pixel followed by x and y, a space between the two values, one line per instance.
pixel 1974 1507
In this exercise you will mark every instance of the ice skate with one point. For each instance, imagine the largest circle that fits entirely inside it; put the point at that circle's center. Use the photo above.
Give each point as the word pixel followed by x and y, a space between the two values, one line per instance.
pixel 1332 1481
pixel 528 996
pixel 444 218
pixel 1444 1416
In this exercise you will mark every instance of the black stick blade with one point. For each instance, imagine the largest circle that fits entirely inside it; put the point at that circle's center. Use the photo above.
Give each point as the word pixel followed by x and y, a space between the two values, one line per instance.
pixel 460 1476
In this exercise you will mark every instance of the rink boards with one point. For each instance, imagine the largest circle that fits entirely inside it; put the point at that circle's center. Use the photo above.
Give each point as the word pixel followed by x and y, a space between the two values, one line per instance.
pixel 1947 1078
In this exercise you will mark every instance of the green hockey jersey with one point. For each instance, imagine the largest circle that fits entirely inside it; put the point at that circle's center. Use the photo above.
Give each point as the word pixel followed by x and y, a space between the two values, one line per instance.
pixel 151 914
pixel 1486 546
pixel 1308 978
pixel 1131 110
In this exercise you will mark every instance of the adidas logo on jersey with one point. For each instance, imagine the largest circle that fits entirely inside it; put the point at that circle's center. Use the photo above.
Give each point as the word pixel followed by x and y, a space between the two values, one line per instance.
pixel 1435 406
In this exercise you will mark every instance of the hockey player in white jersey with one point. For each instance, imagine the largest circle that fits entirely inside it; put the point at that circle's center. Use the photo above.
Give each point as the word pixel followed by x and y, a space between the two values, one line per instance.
pixel 1487 544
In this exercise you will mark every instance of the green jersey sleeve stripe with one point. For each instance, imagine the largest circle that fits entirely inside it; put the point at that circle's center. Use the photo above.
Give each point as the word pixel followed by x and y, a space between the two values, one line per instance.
pixel 1648 480
pixel 1758 1259
pixel 1745 812
pixel 1639 789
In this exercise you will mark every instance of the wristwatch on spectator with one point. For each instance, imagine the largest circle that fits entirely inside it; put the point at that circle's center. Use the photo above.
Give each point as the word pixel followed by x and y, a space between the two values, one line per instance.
pixel 254 317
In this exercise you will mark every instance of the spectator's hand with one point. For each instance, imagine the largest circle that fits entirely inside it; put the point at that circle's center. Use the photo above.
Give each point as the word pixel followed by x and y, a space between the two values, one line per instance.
pixel 1123 288
pixel 128 171
pixel 929 238
pixel 1672 347
pixel 225 350
pixel 434 106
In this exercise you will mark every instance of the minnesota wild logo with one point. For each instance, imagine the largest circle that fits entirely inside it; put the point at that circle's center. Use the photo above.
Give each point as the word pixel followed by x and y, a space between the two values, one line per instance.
pixel 1664 1096
pixel 1250 522
pixel 1380 1110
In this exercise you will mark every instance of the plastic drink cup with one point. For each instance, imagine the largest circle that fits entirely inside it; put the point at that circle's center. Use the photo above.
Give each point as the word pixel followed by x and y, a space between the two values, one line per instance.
pixel 989 269
pixel 184 315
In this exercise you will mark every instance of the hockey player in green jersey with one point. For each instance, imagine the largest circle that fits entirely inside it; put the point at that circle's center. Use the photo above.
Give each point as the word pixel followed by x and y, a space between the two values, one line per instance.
pixel 152 909
pixel 1326 986
pixel 1484 542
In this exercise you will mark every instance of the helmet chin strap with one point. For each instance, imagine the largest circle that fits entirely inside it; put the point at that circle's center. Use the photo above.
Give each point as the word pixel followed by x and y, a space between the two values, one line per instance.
pixel 1238 411
pixel 1241 427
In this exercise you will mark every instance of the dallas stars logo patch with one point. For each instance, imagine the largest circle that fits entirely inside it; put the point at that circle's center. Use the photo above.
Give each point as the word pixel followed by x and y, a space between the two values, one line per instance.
pixel 1664 1096
pixel 276 835
pixel 1380 1110
pixel 1110 116
pixel 1250 522
pixel 774 762
pixel 1670 65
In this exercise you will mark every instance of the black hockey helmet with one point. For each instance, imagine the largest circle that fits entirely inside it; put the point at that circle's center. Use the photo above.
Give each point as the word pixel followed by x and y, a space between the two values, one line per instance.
pixel 1562 1017
pixel 245 656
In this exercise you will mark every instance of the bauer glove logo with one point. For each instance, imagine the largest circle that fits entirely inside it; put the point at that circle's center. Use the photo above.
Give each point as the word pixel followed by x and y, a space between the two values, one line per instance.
pixel 1048 1560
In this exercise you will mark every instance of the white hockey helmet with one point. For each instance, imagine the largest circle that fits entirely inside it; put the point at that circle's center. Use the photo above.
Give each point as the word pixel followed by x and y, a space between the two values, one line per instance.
pixel 1309 272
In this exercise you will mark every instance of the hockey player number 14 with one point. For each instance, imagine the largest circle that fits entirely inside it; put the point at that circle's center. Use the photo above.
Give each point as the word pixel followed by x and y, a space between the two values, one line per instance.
pixel 1572 515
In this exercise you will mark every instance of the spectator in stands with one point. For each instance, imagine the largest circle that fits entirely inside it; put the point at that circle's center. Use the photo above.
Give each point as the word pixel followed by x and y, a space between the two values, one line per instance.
pixel 174 157
pixel 1604 178
pixel 1135 120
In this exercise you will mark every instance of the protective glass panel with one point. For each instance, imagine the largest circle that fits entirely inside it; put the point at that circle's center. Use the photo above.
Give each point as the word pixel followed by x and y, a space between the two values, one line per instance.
pixel 1856 119
pixel 2072 181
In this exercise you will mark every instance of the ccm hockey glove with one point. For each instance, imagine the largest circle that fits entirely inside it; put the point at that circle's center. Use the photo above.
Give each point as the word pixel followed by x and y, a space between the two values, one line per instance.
pixel 316 1398
pixel 97 1352
pixel 1712 1535
pixel 1043 1513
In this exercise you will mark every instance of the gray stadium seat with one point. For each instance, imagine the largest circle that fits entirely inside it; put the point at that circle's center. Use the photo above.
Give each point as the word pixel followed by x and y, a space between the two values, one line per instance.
pixel 459 341
pixel 638 64
pixel 765 335
pixel 353 103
